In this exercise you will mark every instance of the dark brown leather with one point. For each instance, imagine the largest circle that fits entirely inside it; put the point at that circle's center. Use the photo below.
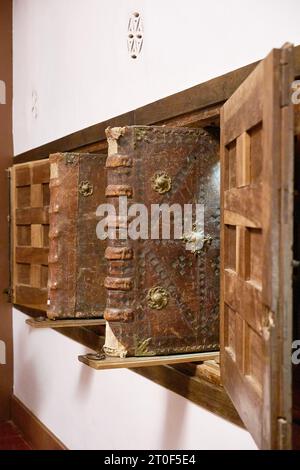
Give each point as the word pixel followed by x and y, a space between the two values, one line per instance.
pixel 77 265
pixel 189 322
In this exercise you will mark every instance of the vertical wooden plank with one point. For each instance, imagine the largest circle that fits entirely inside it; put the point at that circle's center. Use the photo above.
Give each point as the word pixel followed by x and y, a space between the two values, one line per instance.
pixel 36 199
pixel 286 242
pixel 242 252
pixel 240 342
pixel 270 266
pixel 243 160
pixel 37 235
pixel 13 232
pixel 35 275
pixel 223 187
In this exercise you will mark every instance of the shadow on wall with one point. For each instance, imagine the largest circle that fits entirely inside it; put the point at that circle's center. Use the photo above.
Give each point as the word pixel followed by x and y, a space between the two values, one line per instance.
pixel 174 419
pixel 84 381
pixel 171 424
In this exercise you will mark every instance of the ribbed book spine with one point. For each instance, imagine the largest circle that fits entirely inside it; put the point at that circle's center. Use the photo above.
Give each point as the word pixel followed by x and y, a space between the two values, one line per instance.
pixel 119 253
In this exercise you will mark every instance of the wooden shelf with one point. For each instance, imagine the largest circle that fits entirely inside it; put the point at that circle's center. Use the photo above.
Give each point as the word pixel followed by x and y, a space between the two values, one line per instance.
pixel 91 360
pixel 42 322
pixel 194 381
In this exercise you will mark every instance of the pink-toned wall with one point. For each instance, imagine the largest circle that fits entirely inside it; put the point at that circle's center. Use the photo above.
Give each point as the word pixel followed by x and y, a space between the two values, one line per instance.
pixel 116 409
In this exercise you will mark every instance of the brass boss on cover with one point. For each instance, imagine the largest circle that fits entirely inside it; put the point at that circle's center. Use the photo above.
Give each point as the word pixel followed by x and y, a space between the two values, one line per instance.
pixel 161 182
pixel 157 297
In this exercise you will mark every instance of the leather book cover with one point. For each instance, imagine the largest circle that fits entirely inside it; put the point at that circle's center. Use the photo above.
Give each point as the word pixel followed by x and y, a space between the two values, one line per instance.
pixel 77 265
pixel 162 298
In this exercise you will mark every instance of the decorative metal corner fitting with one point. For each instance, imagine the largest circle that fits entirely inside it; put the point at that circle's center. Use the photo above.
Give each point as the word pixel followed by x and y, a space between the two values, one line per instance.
pixel 70 159
pixel 196 241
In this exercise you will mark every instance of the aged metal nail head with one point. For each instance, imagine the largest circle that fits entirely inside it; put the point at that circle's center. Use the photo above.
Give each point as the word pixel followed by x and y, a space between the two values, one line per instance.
pixel 86 188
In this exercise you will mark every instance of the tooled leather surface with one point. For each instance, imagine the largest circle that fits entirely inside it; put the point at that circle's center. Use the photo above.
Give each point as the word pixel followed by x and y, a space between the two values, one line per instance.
pixel 77 265
pixel 62 236
pixel 91 263
pixel 190 321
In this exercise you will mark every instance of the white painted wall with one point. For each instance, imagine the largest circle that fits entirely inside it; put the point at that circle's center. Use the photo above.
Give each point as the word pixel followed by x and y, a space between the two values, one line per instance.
pixel 71 70
pixel 116 409
pixel 72 55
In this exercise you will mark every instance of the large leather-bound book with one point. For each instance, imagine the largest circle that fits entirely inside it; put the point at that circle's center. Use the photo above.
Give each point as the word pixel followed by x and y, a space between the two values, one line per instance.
pixel 76 256
pixel 162 298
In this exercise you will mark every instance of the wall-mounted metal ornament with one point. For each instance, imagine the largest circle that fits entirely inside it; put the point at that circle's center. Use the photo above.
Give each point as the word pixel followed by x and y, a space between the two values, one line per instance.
pixel 135 36
pixel 196 241
pixel 157 297
pixel 161 182
pixel 86 188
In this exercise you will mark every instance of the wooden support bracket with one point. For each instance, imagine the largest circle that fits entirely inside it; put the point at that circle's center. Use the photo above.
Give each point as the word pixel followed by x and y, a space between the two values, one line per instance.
pixel 100 362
